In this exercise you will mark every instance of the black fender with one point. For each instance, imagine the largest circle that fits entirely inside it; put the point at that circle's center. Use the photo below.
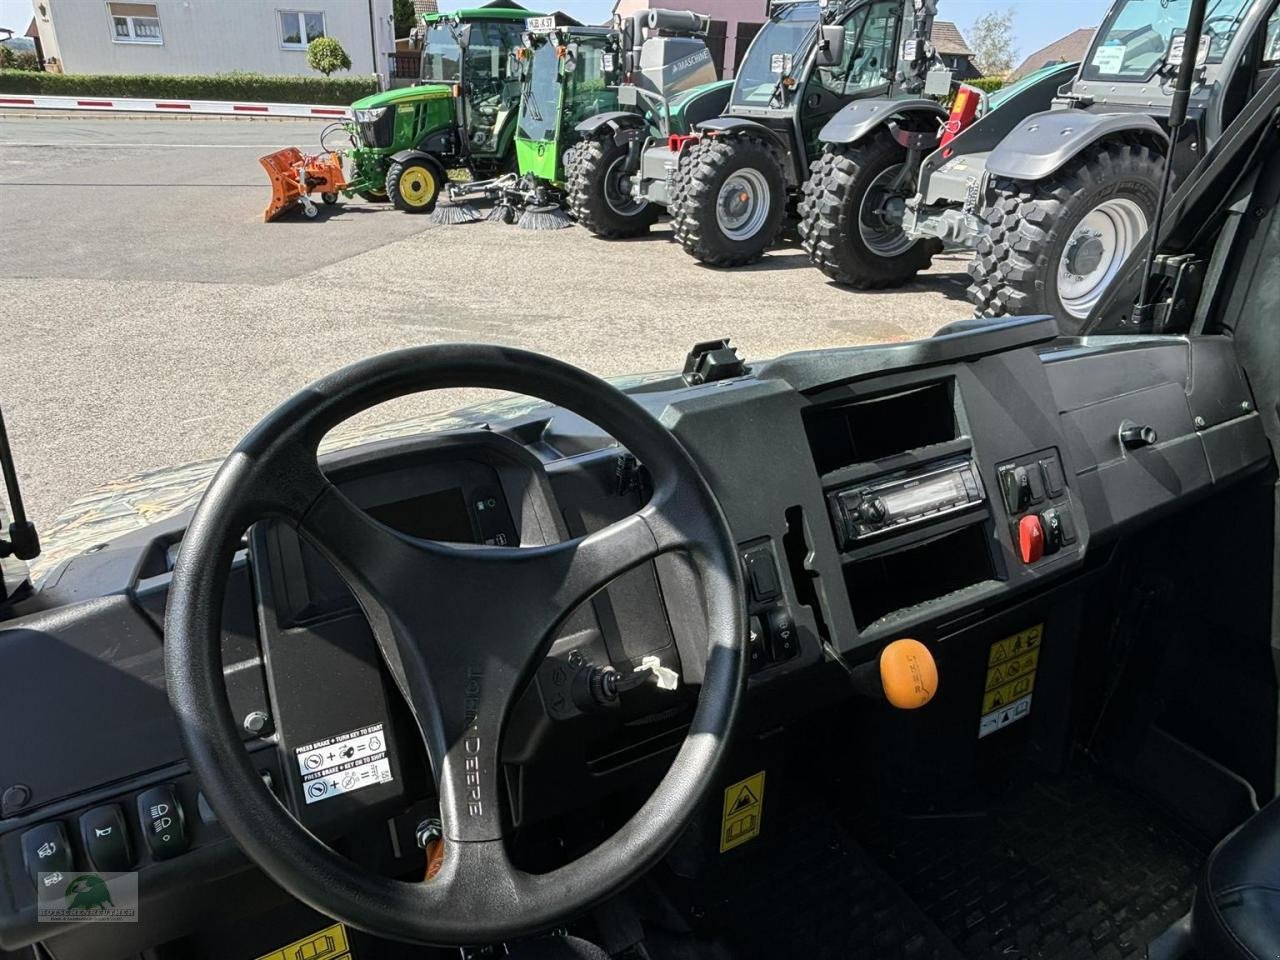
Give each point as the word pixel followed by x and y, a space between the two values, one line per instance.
pixel 734 126
pixel 615 120
pixel 856 120
pixel 1041 144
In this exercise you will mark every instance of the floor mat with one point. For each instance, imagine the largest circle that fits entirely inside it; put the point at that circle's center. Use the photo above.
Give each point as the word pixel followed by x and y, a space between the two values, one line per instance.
pixel 825 899
pixel 1077 869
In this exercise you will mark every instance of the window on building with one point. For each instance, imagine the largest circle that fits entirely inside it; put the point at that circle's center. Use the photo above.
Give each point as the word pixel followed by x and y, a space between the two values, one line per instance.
pixel 300 27
pixel 134 23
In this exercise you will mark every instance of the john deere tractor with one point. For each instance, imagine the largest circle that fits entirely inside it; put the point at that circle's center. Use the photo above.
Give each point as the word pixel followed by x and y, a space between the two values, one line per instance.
pixel 459 117
pixel 728 183
pixel 1054 182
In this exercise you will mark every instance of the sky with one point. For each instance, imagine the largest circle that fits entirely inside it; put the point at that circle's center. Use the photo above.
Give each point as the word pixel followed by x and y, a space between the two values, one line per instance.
pixel 1036 23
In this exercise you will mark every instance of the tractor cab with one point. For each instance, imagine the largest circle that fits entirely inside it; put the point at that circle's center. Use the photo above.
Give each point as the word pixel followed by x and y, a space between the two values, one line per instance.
pixel 568 74
pixel 472 49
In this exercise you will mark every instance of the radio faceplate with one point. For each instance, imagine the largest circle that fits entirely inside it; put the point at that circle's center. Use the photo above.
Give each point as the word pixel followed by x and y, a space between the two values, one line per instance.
pixel 872 508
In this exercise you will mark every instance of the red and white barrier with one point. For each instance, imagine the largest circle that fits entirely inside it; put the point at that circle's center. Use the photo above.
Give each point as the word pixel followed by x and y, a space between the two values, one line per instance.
pixel 180 107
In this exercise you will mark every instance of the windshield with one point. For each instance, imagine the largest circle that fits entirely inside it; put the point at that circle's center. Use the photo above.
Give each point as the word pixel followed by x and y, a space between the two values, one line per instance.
pixel 441 54
pixel 782 43
pixel 538 111
pixel 1134 40
pixel 588 93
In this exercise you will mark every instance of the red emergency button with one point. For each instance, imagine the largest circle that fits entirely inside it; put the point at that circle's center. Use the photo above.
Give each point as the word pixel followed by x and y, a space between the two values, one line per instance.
pixel 1030 538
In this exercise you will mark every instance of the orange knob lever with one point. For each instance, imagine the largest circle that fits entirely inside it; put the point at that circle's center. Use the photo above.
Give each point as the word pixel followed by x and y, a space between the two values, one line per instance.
pixel 908 674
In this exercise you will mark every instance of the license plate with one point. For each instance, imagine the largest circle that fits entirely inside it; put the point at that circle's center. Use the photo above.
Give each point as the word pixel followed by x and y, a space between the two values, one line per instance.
pixel 540 24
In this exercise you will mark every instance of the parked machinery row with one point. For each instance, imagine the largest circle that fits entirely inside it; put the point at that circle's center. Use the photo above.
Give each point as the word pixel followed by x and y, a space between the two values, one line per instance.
pixel 840 115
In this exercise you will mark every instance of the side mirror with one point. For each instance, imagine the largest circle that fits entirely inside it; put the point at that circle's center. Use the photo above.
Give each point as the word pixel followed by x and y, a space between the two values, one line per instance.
pixel 831 47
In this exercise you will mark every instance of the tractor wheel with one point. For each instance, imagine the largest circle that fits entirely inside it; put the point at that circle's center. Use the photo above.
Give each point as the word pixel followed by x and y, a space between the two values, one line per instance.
pixel 598 192
pixel 414 185
pixel 372 196
pixel 329 199
pixel 1054 245
pixel 843 225
pixel 731 198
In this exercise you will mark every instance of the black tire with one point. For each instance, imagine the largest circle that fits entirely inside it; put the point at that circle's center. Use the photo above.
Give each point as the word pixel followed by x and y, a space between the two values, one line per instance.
pixel 414 185
pixel 699 181
pixel 831 214
pixel 372 196
pixel 329 199
pixel 1026 227
pixel 592 200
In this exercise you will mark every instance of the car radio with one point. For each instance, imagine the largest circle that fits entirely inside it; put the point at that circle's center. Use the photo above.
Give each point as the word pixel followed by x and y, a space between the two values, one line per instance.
pixel 868 509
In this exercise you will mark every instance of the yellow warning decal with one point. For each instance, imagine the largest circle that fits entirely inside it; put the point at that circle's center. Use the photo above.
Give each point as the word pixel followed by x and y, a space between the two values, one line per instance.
pixel 1011 677
pixel 743 808
pixel 327 944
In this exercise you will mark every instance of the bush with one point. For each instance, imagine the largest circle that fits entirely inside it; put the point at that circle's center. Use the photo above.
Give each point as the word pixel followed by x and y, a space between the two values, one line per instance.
pixel 326 55
pixel 233 86
pixel 987 84
pixel 11 59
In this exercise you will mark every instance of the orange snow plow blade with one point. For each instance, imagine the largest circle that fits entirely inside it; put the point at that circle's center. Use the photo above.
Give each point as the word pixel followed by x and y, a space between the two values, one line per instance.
pixel 295 176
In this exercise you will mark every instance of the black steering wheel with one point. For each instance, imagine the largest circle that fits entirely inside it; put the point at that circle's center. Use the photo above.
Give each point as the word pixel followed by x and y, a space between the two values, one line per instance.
pixel 459 656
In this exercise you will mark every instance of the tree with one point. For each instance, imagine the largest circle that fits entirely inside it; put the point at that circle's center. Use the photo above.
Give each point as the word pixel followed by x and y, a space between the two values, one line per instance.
pixel 326 55
pixel 991 38
pixel 405 16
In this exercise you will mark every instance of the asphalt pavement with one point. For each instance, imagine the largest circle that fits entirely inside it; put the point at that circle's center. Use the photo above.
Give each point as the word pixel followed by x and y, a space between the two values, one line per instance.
pixel 150 317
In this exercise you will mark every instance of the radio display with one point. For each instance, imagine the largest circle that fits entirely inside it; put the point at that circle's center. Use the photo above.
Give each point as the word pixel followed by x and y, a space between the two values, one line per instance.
pixel 925 497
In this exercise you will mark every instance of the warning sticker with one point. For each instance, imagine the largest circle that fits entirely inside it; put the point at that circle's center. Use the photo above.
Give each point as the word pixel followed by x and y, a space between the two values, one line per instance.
pixel 1011 675
pixel 350 761
pixel 743 808
pixel 327 944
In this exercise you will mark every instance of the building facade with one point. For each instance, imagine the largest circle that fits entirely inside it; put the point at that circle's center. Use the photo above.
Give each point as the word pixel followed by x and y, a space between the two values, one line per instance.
pixel 210 36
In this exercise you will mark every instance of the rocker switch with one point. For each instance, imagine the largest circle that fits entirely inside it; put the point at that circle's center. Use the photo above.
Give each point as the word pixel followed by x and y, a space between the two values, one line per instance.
pixel 164 824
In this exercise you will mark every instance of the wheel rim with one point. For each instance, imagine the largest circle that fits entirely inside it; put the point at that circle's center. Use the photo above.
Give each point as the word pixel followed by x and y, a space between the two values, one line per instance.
pixel 617 190
pixel 1095 252
pixel 417 186
pixel 882 236
pixel 742 206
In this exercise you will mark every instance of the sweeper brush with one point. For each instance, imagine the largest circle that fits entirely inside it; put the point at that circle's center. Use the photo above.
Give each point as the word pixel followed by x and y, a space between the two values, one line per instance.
pixel 295 176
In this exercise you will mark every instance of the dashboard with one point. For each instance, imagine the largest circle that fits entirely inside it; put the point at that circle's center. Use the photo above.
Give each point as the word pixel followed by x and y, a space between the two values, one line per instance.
pixel 923 489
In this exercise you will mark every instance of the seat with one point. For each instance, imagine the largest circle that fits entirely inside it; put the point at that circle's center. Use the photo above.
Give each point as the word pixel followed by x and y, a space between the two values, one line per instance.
pixel 1236 912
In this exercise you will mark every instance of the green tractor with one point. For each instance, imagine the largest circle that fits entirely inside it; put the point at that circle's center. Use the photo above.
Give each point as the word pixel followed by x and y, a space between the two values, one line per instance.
pixel 570 73
pixel 459 117
pixel 729 181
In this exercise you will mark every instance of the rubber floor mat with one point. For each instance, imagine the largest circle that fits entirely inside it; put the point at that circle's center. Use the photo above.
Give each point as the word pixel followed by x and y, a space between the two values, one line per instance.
pixel 1077 869
pixel 825 899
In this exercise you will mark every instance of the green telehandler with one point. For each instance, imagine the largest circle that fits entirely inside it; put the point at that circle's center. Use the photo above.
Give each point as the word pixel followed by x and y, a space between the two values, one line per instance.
pixel 569 73
pixel 728 182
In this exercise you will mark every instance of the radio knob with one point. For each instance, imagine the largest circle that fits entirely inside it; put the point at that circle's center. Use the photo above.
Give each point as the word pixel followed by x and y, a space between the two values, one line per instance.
pixel 873 510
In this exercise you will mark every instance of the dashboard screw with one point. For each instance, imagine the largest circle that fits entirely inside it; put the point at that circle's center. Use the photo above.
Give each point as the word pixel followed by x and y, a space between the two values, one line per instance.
pixel 14 799
pixel 256 722
pixel 1199 421
pixel 1244 404
pixel 575 659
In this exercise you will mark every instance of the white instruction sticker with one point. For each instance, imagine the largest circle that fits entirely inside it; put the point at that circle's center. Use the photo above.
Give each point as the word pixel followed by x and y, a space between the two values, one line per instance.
pixel 350 761
pixel 1109 59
